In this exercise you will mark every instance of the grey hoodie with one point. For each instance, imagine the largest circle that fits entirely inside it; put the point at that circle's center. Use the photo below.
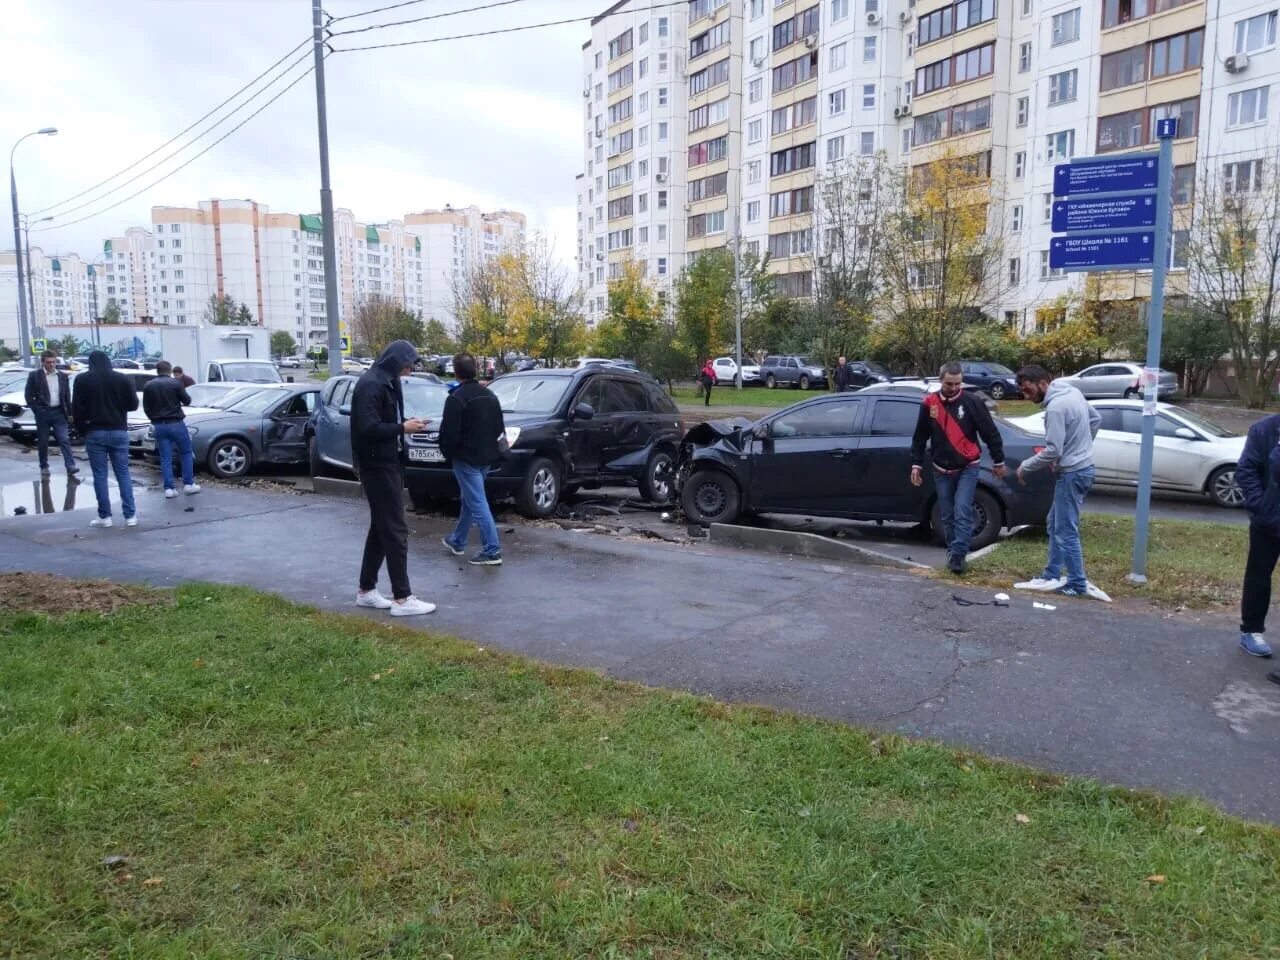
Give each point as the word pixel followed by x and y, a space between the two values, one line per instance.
pixel 1070 425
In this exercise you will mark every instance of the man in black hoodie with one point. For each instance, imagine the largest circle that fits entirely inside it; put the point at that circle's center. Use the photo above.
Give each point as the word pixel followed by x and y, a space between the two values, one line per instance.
pixel 48 394
pixel 469 438
pixel 101 405
pixel 163 399
pixel 378 427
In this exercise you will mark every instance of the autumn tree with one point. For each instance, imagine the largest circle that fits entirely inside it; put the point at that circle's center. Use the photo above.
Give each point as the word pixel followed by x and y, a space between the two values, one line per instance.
pixel 633 320
pixel 379 320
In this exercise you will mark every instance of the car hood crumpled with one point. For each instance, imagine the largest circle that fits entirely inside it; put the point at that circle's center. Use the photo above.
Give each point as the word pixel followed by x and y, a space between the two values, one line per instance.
pixel 729 431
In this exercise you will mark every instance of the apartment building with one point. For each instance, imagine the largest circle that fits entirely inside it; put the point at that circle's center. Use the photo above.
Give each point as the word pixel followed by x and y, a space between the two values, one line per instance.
pixel 452 242
pixel 62 289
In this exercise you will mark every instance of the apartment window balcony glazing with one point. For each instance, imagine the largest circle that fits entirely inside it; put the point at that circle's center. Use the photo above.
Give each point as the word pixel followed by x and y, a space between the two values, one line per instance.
pixel 953 19
pixel 702 8
pixel 1118 12
pixel 961 68
pixel 803 24
pixel 795 72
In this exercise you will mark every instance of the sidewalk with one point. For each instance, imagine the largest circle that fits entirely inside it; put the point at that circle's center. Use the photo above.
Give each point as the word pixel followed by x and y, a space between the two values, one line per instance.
pixel 1145 701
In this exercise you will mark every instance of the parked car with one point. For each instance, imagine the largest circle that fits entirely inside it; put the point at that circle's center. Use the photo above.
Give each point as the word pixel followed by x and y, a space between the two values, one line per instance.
pixel 1104 380
pixel 726 369
pixel 124 363
pixel 792 371
pixel 844 455
pixel 353 365
pixel 930 384
pixel 865 373
pixel 994 379
pixel 242 370
pixel 1191 455
pixel 289 363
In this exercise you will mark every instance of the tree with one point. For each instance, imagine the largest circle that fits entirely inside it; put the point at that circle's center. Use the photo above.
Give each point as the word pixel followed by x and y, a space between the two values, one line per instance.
pixel 1196 339
pixel 111 313
pixel 631 325
pixel 244 317
pixel 483 300
pixel 704 295
pixel 283 344
pixel 68 346
pixel 221 310
pixel 379 320
pixel 436 339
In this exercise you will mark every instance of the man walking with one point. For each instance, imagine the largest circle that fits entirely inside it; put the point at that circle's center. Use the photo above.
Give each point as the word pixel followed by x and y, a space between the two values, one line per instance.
pixel 48 394
pixel 469 437
pixel 101 406
pixel 378 427
pixel 162 401
pixel 1258 474
pixel 843 376
pixel 950 423
pixel 1070 425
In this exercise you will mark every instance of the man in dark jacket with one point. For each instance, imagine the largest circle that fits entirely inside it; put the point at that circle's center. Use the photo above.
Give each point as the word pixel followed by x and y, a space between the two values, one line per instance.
pixel 181 377
pixel 1258 474
pixel 950 422
pixel 843 376
pixel 469 436
pixel 101 406
pixel 48 394
pixel 378 427
pixel 162 400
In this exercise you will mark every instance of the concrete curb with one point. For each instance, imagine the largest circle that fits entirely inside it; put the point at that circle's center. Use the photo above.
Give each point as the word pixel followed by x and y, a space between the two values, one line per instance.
pixel 337 488
pixel 801 544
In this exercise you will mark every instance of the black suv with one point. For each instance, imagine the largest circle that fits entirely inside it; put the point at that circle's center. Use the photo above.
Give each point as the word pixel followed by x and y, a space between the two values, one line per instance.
pixel 792 371
pixel 568 429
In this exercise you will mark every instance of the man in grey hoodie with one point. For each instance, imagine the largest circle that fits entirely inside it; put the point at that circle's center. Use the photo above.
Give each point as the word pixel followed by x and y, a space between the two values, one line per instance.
pixel 1070 425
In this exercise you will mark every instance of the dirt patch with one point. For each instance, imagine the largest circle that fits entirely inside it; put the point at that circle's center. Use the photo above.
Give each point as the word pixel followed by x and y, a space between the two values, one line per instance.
pixel 56 596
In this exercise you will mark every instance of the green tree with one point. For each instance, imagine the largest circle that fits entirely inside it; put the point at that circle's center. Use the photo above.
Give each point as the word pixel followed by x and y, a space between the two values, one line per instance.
pixel 1196 339
pixel 378 321
pixel 221 310
pixel 283 344
pixel 244 317
pixel 111 313
pixel 437 340
pixel 68 346
pixel 632 322
pixel 705 309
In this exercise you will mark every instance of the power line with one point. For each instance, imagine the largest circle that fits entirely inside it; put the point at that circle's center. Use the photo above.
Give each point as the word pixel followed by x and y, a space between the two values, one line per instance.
pixel 433 16
pixel 367 13
pixel 62 203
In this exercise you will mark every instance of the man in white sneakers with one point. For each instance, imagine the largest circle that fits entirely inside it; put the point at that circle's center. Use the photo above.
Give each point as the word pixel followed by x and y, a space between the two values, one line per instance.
pixel 162 401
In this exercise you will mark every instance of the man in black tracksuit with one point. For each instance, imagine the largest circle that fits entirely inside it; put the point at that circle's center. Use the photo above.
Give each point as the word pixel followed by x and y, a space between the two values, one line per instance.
pixel 950 422
pixel 378 427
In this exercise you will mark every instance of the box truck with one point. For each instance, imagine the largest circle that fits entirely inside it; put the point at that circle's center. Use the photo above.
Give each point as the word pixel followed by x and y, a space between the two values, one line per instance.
pixel 209 353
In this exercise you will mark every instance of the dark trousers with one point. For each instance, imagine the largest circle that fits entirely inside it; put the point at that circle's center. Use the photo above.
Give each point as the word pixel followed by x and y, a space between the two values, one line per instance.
pixel 1264 551
pixel 388 537
pixel 707 384
pixel 54 422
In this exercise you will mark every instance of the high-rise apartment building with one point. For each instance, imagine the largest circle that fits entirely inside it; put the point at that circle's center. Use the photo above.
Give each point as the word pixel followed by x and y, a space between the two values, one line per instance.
pixel 61 288
pixel 453 241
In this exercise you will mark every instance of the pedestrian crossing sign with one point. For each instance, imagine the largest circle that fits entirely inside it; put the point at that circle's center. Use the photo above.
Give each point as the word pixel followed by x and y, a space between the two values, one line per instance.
pixel 39 346
pixel 346 344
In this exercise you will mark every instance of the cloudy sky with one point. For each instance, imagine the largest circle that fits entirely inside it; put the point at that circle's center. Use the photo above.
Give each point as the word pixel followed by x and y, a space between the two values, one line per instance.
pixel 492 121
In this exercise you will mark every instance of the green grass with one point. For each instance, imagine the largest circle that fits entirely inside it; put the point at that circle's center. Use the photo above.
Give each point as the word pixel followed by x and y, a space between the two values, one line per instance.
pixel 1197 565
pixel 300 785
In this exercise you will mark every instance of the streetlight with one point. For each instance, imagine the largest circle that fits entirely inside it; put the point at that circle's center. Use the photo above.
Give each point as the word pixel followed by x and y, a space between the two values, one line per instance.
pixel 31 285
pixel 23 330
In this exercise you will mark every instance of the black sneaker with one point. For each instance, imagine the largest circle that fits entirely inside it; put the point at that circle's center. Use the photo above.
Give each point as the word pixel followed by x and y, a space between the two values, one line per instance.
pixel 483 559
pixel 956 564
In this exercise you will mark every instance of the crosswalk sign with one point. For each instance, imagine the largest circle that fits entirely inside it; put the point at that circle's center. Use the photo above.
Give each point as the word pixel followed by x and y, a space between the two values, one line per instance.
pixel 39 346
pixel 346 344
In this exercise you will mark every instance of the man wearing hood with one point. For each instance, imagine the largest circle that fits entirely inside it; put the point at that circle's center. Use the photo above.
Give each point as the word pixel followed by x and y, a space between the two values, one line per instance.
pixel 378 427
pixel 101 404
pixel 1070 425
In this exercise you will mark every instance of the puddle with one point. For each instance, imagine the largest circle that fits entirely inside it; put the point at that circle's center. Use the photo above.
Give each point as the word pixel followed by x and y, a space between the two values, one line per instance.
pixel 57 494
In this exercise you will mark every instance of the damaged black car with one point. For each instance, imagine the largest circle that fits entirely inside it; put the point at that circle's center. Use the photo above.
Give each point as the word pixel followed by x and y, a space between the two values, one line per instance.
pixel 848 456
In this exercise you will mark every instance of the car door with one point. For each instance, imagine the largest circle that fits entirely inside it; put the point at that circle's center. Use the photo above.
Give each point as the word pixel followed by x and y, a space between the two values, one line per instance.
pixel 1110 445
pixel 882 465
pixel 630 421
pixel 724 367
pixel 333 433
pixel 1175 462
pixel 804 464
pixel 588 438
pixel 1091 381
pixel 859 375
pixel 284 428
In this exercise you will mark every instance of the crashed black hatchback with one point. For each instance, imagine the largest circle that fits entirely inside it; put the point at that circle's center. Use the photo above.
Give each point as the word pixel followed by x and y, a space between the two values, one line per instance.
pixel 844 455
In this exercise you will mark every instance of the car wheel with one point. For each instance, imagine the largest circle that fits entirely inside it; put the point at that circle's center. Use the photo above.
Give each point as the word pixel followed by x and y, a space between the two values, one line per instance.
pixel 318 467
pixel 711 496
pixel 1131 394
pixel 997 391
pixel 987 520
pixel 804 383
pixel 539 495
pixel 770 382
pixel 659 472
pixel 1223 489
pixel 229 458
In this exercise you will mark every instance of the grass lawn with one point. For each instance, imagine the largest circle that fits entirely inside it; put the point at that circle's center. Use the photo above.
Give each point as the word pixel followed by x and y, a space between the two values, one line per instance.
pixel 765 399
pixel 291 784
pixel 1194 564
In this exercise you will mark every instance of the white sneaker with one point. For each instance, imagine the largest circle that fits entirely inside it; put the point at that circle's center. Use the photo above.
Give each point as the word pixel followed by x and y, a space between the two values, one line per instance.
pixel 411 607
pixel 100 522
pixel 132 521
pixel 1096 592
pixel 170 494
pixel 191 488
pixel 1041 584
pixel 374 600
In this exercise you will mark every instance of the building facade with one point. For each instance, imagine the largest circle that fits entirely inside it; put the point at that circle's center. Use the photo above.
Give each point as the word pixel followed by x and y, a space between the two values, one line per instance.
pixel 452 242
pixel 64 289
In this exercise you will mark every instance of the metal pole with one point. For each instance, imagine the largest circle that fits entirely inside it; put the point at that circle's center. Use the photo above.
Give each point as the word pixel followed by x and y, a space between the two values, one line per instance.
pixel 24 336
pixel 737 294
pixel 1167 130
pixel 31 284
pixel 326 199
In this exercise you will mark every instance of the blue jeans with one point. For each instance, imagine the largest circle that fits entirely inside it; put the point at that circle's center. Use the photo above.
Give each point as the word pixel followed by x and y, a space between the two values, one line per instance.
pixel 168 434
pixel 955 502
pixel 110 445
pixel 475 508
pixel 55 422
pixel 1065 550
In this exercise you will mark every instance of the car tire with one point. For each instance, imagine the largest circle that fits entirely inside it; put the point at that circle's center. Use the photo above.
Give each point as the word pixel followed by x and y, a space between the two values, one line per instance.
pixel 770 382
pixel 1223 490
pixel 318 467
pixel 997 391
pixel 804 383
pixel 539 494
pixel 229 458
pixel 1131 393
pixel 711 496
pixel 988 520
pixel 658 482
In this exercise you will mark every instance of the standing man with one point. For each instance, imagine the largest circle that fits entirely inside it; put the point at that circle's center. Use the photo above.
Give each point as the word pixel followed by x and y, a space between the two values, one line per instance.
pixel 48 394
pixel 469 437
pixel 1258 474
pixel 950 423
pixel 1070 425
pixel 843 375
pixel 162 401
pixel 378 427
pixel 102 403
pixel 181 377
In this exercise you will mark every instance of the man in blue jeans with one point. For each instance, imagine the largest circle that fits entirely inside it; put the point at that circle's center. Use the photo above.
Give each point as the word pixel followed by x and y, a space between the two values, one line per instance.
pixel 48 394
pixel 1070 424
pixel 162 400
pixel 101 405
pixel 950 423
pixel 469 434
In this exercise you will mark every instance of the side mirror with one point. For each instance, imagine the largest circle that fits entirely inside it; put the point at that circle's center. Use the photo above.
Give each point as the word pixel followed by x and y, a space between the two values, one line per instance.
pixel 584 411
pixel 345 410
pixel 761 431
pixel 1185 433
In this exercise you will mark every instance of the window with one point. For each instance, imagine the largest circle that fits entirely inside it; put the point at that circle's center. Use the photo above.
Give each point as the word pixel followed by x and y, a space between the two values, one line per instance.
pixel 790 202
pixel 832 419
pixel 1176 54
pixel 798 114
pixel 620 208
pixel 1066 27
pixel 644 67
pixel 753 211
pixel 1242 177
pixel 755 90
pixel 792 159
pixel 662 202
pixel 662 266
pixel 954 121
pixel 1019 164
pixel 838 56
pixel 1015 218
pixel 796 28
pixel 1023 110
pixel 835 103
pixel 1015 271
pixel 757 49
pixel 599 60
pixel 1124 68
pixel 755 131
pixel 1024 57
pixel 1116 12
pixel 708 151
pixel 620 175
pixel 1186 112
pixel 620 78
pixel 867 145
pixel 620 111
pixel 757 9
pixel 619 45
pixel 1256 33
pixel 662 26
pixel 839 10
pixel 1248 106
pixel 1120 131
pixel 644 135
pixel 662 231
pixel 708 77
pixel 662 131
pixel 662 96
pixel 868 96
pixel 1048 207
pixel 1060 145
pixel 712 39
pixel 1047 272
pixel 1062 87
pixel 705 224
pixel 869 49
pixel 662 62
pixel 753 171
pixel 835 149
pixel 1184 183
pixel 642 169
pixel 642 206
pixel 952 19
pixel 1026 8
pixel 643 35
pixel 796 71
pixel 713 186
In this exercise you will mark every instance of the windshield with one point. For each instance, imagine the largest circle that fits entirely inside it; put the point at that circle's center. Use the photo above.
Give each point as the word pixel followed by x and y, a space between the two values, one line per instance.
pixel 529 394
pixel 252 371
pixel 250 401
pixel 11 382
pixel 207 394
pixel 423 400
pixel 1206 426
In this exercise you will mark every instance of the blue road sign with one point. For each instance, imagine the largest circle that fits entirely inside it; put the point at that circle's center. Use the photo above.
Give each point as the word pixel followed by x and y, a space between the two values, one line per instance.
pixel 1094 175
pixel 1109 213
pixel 1167 129
pixel 1114 252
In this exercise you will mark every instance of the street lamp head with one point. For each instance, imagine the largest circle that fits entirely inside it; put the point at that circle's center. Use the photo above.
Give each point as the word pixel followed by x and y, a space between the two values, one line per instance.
pixel 47 131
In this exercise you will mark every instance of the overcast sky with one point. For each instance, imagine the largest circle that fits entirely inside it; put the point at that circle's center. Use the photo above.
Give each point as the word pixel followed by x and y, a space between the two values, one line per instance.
pixel 493 121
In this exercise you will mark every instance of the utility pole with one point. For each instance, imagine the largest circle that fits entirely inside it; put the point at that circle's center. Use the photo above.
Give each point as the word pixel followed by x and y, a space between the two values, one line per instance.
pixel 24 331
pixel 326 198
pixel 737 293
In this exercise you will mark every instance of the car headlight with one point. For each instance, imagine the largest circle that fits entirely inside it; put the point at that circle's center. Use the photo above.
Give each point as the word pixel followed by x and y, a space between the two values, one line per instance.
pixel 512 434
pixel 151 433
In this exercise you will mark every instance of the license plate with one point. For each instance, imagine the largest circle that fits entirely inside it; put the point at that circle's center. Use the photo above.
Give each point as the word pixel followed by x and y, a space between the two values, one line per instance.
pixel 425 453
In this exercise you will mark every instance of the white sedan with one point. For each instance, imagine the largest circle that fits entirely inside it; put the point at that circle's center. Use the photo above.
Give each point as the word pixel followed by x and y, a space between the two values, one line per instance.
pixel 1192 455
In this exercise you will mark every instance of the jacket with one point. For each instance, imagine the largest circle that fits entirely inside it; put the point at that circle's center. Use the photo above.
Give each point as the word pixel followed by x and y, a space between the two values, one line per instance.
pixel 708 374
pixel 163 399
pixel 103 399
pixel 1258 474
pixel 951 429
pixel 472 425
pixel 377 408
pixel 843 376
pixel 37 392
pixel 1070 425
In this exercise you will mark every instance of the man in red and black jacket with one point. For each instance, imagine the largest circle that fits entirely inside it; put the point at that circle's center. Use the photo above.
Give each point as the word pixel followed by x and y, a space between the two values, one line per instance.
pixel 951 422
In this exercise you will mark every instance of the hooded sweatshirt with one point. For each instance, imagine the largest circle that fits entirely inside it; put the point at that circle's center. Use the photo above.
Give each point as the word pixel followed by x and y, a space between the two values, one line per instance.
pixel 103 398
pixel 377 407
pixel 1070 425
